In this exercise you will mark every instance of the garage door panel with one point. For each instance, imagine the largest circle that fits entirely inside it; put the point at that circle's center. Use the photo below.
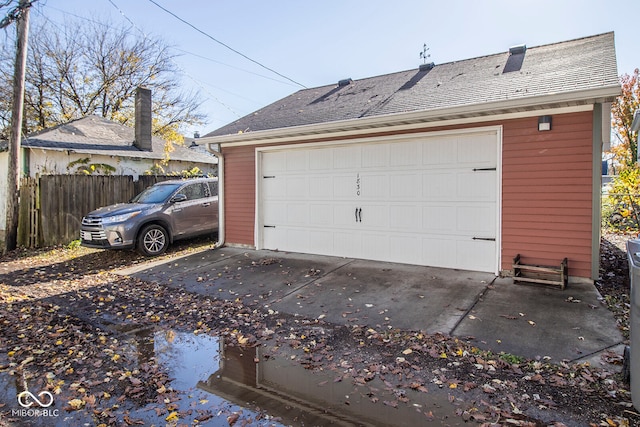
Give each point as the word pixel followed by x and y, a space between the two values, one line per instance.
pixel 272 212
pixel 405 154
pixel 476 255
pixel 297 187
pixel 297 214
pixel 416 200
pixel 477 186
pixel 438 252
pixel 405 217
pixel 296 160
pixel 297 239
pixel 440 152
pixel 346 157
pixel 321 241
pixel 275 188
pixel 347 244
pixel 372 186
pixel 376 247
pixel 477 221
pixel 439 186
pixel 437 219
pixel 273 162
pixel 345 215
pixel 375 155
pixel 320 159
pixel 321 215
pixel 405 248
pixel 320 187
pixel 344 187
pixel 373 216
pixel 481 149
pixel 405 186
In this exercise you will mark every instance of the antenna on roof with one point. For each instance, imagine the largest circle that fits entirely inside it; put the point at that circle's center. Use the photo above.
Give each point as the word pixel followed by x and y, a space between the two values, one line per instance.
pixel 424 55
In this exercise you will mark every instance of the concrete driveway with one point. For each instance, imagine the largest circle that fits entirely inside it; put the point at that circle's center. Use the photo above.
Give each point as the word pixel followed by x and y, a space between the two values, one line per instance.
pixel 493 313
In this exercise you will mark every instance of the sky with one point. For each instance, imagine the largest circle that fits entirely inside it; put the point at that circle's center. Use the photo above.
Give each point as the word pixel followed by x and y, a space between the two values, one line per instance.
pixel 282 46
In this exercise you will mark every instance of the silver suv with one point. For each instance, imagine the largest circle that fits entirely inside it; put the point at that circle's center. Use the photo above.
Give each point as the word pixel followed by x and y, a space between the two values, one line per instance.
pixel 162 213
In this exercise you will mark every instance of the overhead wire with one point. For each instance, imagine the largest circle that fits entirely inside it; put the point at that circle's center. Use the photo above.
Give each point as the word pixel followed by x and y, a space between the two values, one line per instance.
pixel 176 64
pixel 198 82
pixel 226 45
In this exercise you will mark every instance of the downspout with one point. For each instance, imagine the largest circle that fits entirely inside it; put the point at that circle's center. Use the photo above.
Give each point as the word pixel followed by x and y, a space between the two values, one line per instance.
pixel 596 206
pixel 220 158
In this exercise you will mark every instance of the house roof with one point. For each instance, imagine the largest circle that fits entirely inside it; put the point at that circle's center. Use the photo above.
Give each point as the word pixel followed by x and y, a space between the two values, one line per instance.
pixel 568 73
pixel 100 136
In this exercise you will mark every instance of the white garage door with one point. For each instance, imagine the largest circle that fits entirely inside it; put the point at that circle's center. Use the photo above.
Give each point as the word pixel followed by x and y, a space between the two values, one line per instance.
pixel 431 200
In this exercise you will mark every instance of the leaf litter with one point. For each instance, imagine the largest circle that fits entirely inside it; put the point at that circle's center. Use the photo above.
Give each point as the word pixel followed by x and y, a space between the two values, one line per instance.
pixel 59 307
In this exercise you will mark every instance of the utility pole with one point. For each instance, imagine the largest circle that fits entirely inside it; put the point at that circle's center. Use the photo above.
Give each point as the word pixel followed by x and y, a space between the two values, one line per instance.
pixel 21 14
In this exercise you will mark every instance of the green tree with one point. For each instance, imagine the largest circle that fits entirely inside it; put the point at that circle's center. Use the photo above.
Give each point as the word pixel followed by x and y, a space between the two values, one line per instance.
pixel 626 151
pixel 89 67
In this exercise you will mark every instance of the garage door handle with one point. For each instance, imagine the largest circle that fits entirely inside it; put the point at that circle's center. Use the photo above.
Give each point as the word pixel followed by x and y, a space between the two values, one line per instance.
pixel 358 214
pixel 491 239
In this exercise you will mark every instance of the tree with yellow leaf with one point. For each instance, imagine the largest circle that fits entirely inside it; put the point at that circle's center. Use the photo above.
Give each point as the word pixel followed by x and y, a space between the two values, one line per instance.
pixel 626 151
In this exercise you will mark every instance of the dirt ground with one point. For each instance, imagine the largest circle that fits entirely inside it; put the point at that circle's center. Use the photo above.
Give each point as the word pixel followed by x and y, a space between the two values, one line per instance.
pixel 58 307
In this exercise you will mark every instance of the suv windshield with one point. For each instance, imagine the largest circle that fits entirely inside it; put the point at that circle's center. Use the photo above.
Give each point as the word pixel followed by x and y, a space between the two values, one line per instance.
pixel 156 193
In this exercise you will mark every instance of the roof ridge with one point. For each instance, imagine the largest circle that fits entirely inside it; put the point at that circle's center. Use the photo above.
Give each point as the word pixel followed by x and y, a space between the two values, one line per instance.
pixel 471 59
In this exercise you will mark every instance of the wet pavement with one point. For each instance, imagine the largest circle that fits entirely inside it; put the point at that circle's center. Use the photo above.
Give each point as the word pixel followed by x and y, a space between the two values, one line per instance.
pixel 216 383
pixel 531 321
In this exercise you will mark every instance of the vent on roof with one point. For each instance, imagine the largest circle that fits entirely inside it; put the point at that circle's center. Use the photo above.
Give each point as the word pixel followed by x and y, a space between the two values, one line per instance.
pixel 521 48
pixel 516 58
pixel 344 82
pixel 427 67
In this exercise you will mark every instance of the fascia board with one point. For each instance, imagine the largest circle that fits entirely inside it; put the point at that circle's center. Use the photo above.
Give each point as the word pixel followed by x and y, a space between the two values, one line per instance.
pixel 389 120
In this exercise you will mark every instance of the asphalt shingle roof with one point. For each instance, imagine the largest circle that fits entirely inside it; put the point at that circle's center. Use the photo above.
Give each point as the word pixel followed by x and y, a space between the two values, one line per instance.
pixel 97 135
pixel 560 68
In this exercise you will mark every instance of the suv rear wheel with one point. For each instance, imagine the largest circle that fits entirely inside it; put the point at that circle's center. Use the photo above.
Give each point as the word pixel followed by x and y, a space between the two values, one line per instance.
pixel 153 240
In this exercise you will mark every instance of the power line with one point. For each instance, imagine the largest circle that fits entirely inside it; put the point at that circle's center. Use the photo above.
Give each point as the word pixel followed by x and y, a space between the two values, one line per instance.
pixel 15 13
pixel 226 45
pixel 175 63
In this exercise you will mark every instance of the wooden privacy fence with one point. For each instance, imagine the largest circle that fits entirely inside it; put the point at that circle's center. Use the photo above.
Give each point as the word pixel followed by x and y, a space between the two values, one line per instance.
pixel 52 206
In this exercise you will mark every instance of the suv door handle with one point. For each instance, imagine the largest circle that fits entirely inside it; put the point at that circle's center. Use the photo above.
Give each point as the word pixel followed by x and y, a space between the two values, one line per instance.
pixel 206 204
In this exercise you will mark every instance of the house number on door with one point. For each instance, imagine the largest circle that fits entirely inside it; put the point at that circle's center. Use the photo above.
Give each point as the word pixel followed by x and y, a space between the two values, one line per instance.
pixel 357 184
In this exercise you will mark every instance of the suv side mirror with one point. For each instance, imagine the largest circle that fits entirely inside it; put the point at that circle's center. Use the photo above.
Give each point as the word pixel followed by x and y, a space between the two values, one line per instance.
pixel 178 198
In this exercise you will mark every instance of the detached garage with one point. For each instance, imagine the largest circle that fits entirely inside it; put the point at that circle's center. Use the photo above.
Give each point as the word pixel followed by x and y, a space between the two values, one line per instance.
pixel 460 165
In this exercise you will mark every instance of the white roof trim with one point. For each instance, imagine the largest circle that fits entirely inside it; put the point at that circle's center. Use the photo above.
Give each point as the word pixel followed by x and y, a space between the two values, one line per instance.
pixel 412 126
pixel 481 112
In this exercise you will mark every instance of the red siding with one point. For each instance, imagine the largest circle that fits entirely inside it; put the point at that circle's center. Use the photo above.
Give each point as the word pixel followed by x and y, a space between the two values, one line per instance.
pixel 240 194
pixel 547 192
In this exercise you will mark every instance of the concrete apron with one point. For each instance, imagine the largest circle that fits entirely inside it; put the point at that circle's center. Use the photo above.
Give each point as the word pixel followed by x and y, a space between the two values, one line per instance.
pixel 493 313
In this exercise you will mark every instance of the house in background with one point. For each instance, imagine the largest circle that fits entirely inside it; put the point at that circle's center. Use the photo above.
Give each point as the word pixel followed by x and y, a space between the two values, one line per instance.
pixel 458 165
pixel 109 147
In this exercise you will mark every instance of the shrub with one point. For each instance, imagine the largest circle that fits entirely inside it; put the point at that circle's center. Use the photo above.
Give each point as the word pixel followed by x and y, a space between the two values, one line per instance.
pixel 620 207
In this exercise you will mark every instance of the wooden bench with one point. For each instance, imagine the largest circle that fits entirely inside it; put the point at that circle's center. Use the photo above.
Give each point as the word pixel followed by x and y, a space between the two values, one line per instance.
pixel 556 276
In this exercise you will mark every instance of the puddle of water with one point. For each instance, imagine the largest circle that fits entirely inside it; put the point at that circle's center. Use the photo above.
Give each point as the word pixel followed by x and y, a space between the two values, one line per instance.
pixel 285 389
pixel 216 381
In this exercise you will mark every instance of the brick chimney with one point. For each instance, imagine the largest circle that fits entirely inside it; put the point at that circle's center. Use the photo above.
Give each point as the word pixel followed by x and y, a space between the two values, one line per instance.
pixel 143 119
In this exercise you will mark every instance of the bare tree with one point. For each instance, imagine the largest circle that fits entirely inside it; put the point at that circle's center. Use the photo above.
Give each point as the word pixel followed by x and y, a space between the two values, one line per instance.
pixel 91 67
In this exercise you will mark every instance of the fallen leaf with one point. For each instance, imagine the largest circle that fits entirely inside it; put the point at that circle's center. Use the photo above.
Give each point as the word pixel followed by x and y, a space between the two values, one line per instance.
pixel 76 404
pixel 231 419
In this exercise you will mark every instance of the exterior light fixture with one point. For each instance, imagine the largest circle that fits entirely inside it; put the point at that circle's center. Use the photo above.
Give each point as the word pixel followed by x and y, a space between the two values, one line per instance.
pixel 544 123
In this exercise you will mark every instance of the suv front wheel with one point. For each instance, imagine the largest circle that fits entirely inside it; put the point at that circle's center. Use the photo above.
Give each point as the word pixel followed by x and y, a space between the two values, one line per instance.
pixel 153 240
